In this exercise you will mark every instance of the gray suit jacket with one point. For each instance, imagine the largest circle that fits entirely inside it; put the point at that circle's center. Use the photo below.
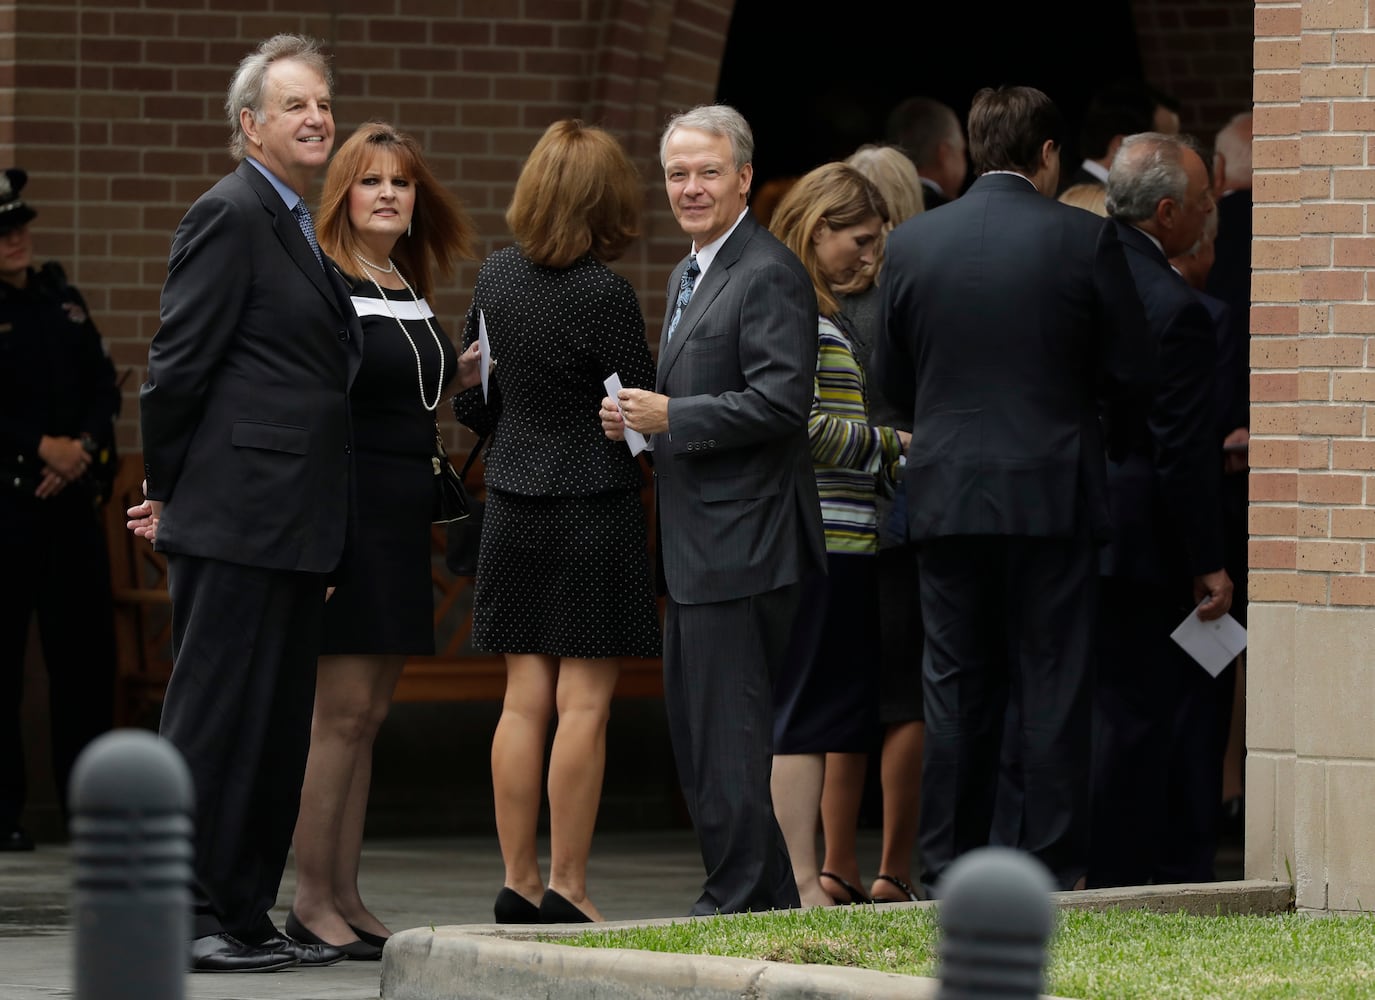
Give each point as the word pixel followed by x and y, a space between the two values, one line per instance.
pixel 245 413
pixel 738 507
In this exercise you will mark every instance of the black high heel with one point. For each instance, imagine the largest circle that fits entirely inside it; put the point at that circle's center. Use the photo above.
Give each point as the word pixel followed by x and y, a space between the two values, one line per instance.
pixel 357 951
pixel 554 909
pixel 513 908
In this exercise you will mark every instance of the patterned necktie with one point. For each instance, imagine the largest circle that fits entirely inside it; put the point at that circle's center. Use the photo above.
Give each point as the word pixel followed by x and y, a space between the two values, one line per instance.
pixel 684 293
pixel 308 229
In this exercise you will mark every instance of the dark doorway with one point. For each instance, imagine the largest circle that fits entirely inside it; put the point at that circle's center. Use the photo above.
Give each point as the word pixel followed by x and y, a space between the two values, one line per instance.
pixel 815 87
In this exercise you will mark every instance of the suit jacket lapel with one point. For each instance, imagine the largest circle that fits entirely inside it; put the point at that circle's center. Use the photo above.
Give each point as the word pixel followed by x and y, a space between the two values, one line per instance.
pixel 288 230
pixel 708 287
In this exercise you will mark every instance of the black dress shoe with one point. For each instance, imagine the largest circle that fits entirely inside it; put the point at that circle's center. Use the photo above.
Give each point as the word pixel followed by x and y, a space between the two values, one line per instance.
pixel 226 953
pixel 308 956
pixel 16 840
pixel 376 940
pixel 554 909
pixel 356 951
pixel 513 908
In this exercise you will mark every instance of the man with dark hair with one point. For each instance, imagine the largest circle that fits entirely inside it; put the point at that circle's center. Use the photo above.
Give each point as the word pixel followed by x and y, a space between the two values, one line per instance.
pixel 1114 113
pixel 1157 755
pixel 247 454
pixel 929 133
pixel 1004 317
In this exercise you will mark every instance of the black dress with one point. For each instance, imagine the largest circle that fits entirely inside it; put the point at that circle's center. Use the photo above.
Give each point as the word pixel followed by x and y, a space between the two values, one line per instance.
pixel 563 568
pixel 384 601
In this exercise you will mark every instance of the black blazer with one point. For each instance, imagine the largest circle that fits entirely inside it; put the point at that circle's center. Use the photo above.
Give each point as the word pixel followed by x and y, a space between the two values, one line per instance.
pixel 1167 523
pixel 1005 317
pixel 1230 281
pixel 556 334
pixel 245 414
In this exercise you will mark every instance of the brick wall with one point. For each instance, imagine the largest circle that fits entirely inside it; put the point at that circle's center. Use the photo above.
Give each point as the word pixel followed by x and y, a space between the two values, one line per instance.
pixel 1200 52
pixel 1311 765
pixel 115 109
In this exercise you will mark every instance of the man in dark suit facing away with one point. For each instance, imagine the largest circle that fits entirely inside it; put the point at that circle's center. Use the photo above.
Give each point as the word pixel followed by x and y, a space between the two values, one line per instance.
pixel 1006 319
pixel 246 445
pixel 929 132
pixel 1157 753
pixel 739 518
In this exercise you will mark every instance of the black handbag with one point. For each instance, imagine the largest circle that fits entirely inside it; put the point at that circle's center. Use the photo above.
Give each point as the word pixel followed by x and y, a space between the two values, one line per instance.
pixel 465 536
pixel 451 500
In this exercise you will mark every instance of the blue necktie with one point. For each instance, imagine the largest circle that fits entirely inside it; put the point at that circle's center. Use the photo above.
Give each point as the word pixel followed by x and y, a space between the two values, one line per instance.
pixel 308 229
pixel 684 293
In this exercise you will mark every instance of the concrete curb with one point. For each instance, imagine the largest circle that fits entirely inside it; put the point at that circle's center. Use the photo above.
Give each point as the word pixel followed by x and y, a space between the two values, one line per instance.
pixel 497 962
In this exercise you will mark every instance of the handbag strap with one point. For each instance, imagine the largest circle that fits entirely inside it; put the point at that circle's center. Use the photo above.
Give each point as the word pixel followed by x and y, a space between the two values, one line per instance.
pixel 472 457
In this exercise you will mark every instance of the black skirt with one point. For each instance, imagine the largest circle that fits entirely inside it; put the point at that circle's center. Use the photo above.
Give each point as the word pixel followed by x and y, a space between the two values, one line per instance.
pixel 826 693
pixel 384 597
pixel 565 576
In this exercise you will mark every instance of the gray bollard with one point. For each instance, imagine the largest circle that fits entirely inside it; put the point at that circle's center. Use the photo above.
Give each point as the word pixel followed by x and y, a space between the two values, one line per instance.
pixel 995 916
pixel 131 802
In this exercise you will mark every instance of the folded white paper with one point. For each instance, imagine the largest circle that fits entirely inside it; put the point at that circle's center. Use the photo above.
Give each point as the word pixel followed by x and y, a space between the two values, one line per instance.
pixel 1212 644
pixel 484 347
pixel 633 438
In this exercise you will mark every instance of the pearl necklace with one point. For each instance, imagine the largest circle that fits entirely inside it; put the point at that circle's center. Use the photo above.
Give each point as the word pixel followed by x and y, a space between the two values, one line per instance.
pixel 381 270
pixel 419 371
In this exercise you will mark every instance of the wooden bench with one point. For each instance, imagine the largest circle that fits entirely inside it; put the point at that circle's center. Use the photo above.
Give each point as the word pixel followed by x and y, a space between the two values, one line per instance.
pixel 143 626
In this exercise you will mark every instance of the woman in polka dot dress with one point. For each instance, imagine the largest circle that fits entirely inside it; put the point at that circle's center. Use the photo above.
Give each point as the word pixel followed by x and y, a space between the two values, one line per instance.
pixel 563 584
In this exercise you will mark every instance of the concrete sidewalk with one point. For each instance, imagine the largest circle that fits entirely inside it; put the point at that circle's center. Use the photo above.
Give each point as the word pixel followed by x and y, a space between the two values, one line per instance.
pixel 440 891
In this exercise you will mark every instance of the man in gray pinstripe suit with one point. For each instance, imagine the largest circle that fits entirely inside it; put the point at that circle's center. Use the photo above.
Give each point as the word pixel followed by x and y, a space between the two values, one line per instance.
pixel 738 514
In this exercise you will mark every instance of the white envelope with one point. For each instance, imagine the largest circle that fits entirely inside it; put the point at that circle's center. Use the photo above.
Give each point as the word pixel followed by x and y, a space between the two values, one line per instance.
pixel 634 438
pixel 1212 644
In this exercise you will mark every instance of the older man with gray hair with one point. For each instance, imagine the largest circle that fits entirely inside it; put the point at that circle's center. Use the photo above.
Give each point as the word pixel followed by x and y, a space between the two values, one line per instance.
pixel 1157 753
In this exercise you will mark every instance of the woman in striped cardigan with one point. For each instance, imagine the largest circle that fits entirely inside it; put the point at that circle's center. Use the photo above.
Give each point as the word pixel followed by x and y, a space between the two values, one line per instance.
pixel 826 691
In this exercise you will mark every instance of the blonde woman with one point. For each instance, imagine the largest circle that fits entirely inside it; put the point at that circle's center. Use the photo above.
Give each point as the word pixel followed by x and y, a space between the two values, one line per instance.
pixel 826 693
pixel 900 626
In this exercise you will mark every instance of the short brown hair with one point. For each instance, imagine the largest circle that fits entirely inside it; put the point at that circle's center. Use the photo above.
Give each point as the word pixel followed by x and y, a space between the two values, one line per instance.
pixel 1009 125
pixel 835 194
pixel 441 233
pixel 578 193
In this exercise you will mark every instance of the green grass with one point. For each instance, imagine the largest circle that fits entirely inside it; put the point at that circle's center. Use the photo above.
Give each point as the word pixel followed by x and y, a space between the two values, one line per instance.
pixel 1119 954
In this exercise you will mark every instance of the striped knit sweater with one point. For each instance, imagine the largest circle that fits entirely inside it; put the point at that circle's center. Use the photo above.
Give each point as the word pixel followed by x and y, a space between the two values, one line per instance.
pixel 847 453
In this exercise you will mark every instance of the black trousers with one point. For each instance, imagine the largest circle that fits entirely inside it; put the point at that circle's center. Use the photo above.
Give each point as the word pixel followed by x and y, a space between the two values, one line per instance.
pixel 1158 742
pixel 54 551
pixel 1007 617
pixel 238 707
pixel 719 661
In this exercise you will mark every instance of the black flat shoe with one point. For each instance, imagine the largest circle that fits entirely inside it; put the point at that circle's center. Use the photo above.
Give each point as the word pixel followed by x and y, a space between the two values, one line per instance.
pixel 356 951
pixel 367 937
pixel 513 908
pixel 554 909
pixel 16 840
pixel 226 953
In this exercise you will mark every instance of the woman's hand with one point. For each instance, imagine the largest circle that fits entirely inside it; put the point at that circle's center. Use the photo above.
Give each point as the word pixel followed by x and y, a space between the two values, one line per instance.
pixel 470 367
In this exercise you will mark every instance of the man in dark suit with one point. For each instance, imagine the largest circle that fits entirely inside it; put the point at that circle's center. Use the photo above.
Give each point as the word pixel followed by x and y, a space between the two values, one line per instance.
pixel 739 518
pixel 246 446
pixel 929 133
pixel 1157 753
pixel 1114 113
pixel 1005 317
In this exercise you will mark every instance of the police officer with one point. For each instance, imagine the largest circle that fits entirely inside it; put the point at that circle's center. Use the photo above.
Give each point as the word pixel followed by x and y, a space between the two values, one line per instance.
pixel 58 402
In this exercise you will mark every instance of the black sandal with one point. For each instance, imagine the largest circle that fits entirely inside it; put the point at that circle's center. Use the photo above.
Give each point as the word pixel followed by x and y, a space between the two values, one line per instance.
pixel 856 894
pixel 900 885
